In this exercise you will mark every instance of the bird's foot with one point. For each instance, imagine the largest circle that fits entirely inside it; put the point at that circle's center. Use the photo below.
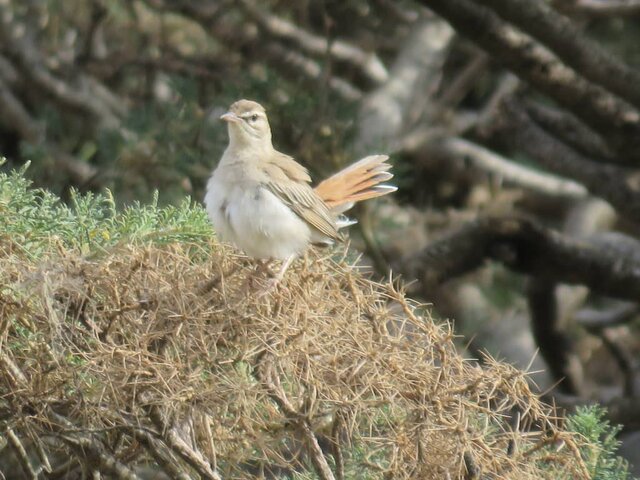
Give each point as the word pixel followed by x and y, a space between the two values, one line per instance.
pixel 273 282
pixel 269 286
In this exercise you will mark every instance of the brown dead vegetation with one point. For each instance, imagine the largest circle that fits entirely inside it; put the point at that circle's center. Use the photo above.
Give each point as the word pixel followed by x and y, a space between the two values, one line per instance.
pixel 166 359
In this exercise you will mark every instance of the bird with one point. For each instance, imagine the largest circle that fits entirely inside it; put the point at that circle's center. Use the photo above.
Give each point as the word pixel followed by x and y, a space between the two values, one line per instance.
pixel 262 201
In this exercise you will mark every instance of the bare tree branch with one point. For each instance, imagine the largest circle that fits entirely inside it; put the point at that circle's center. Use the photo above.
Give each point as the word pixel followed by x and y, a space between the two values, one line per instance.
pixel 276 392
pixel 385 111
pixel 510 171
pixel 176 443
pixel 86 445
pixel 619 185
pixel 596 320
pixel 600 8
pixel 21 454
pixel 560 34
pixel 15 116
pixel 527 247
pixel 367 62
pixel 454 93
pixel 626 362
pixel 82 96
pixel 161 454
pixel 550 337
pixel 616 120
pixel 273 51
pixel 292 60
pixel 570 130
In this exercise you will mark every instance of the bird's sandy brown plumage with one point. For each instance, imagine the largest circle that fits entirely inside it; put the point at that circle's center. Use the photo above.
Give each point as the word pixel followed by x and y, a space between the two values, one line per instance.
pixel 262 200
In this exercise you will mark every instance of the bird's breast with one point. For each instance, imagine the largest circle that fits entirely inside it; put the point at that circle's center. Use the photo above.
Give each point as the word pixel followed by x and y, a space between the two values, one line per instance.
pixel 248 215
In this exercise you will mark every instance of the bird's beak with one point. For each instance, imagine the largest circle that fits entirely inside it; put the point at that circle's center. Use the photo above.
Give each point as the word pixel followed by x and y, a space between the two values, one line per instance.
pixel 230 117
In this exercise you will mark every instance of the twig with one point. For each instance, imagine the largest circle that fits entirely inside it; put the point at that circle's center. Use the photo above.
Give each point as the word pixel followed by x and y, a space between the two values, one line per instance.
pixel 161 454
pixel 272 384
pixel 44 458
pixel 16 377
pixel 176 443
pixel 21 454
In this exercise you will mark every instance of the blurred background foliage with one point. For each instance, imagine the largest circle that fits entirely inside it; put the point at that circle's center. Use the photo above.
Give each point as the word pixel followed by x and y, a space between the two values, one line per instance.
pixel 172 81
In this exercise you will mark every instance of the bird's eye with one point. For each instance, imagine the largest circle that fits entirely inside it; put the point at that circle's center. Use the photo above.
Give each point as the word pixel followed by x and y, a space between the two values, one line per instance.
pixel 254 117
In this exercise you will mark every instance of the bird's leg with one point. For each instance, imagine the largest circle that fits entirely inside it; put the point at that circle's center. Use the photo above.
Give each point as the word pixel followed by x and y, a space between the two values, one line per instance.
pixel 280 275
pixel 285 265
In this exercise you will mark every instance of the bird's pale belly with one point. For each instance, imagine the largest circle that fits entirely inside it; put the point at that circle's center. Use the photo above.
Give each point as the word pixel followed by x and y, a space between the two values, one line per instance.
pixel 257 222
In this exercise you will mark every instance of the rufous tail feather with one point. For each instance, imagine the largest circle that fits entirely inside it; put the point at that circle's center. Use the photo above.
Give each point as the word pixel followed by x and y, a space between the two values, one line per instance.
pixel 360 181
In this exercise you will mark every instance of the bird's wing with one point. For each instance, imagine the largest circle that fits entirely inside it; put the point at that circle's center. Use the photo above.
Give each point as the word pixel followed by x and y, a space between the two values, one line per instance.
pixel 289 181
pixel 283 166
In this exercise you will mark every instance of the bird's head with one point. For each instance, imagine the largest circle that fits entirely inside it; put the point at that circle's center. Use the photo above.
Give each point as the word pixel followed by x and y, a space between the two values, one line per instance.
pixel 248 124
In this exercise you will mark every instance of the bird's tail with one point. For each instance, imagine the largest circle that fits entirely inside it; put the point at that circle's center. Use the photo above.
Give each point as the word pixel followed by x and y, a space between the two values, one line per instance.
pixel 359 181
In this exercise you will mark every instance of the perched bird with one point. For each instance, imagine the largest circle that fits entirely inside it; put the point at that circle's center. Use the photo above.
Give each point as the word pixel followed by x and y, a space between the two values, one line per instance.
pixel 261 200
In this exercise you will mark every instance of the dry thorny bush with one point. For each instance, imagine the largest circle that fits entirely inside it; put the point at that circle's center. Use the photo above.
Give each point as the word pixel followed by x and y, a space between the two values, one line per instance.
pixel 166 359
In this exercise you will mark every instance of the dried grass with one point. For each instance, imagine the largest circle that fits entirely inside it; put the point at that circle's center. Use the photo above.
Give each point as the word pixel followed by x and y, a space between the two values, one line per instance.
pixel 166 356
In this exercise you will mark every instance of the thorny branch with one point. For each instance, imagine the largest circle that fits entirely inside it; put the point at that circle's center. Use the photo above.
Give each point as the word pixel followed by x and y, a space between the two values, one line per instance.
pixel 174 440
pixel 272 384
pixel 21 454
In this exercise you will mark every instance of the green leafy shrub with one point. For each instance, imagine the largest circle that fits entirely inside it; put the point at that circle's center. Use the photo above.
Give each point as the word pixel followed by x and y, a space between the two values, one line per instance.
pixel 36 219
pixel 599 453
